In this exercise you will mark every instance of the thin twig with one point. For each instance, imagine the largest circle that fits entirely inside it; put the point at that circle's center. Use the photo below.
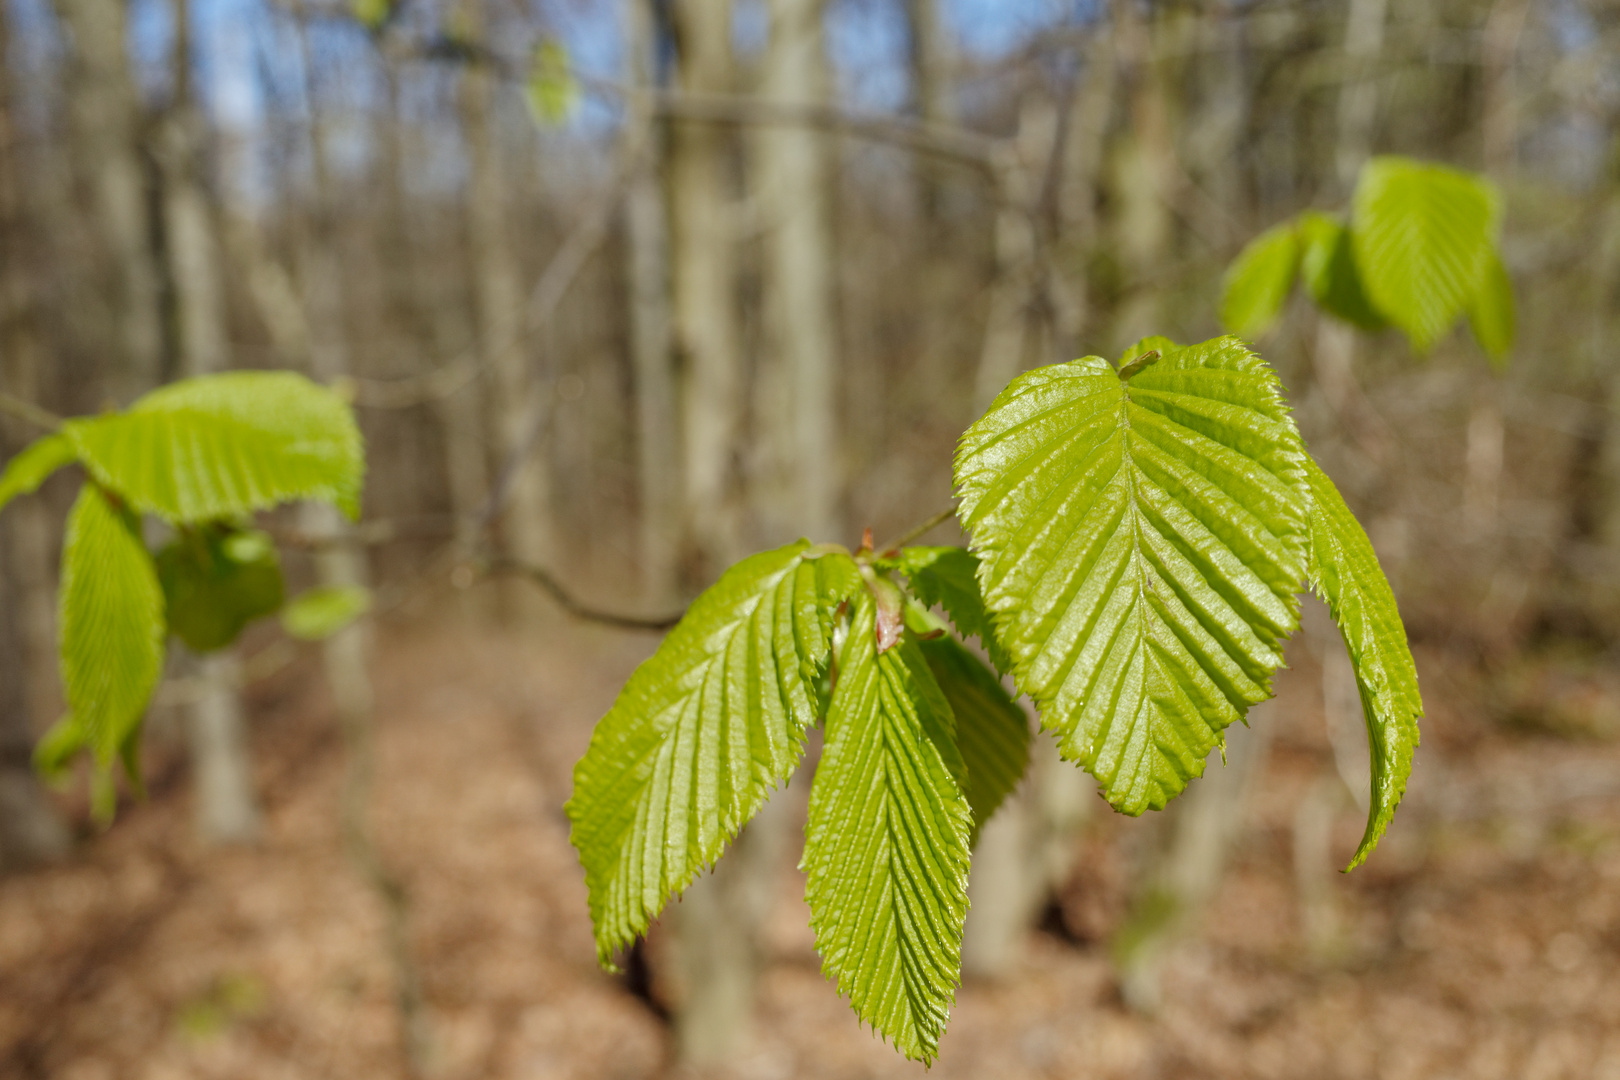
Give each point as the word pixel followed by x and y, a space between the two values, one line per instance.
pixel 448 377
pixel 918 530
pixel 28 411
pixel 566 600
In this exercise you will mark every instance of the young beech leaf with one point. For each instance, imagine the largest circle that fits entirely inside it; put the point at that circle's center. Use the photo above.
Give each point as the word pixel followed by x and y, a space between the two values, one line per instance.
pixel 1423 236
pixel 991 729
pixel 216 580
pixel 1140 548
pixel 111 624
pixel 221 446
pixel 887 842
pixel 1259 280
pixel 1491 314
pixel 948 577
pixel 1329 269
pixel 34 465
pixel 316 614
pixel 1344 572
pixel 702 732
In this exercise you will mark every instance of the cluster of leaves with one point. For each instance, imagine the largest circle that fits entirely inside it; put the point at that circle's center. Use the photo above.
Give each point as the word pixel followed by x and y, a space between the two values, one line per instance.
pixel 1138 538
pixel 1419 249
pixel 200 455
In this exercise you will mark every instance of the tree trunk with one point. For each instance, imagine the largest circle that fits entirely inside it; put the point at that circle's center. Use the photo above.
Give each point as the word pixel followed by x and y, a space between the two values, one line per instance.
pixel 227 809
pixel 803 328
pixel 1024 853
pixel 104 122
pixel 715 924
pixel 928 56
pixel 707 334
pixel 1182 875
pixel 30 828
pixel 1020 168
pixel 1142 178
pixel 499 296
pixel 26 525
pixel 647 238
pixel 1088 117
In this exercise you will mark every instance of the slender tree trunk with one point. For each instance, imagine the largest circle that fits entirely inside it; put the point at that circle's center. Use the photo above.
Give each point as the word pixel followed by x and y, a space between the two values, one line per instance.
pixel 31 831
pixel 1142 180
pixel 1487 433
pixel 30 828
pixel 499 296
pixel 227 809
pixel 928 56
pixel 1020 168
pixel 651 339
pixel 26 524
pixel 941 278
pixel 1088 118
pixel 707 335
pixel 803 328
pixel 105 125
pixel 1605 514
pixel 714 946
pixel 1199 829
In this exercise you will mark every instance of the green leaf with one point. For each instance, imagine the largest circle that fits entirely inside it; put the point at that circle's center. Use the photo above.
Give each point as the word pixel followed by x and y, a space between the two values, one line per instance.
pixel 1491 313
pixel 1259 280
pixel 1423 236
pixel 216 580
pixel 1329 269
pixel 702 732
pixel 319 613
pixel 372 13
pixel 1140 548
pixel 948 577
pixel 552 92
pixel 1344 572
pixel 57 746
pixel 111 622
pixel 992 731
pixel 30 468
pixel 221 446
pixel 887 842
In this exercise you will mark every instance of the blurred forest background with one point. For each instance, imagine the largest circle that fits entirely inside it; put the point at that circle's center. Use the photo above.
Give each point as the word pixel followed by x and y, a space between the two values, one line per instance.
pixel 625 289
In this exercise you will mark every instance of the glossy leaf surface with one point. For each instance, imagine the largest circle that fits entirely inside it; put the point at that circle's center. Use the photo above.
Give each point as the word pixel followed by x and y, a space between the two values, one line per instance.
pixel 1140 549
pixel 887 842
pixel 1344 572
pixel 702 732
pixel 949 578
pixel 992 731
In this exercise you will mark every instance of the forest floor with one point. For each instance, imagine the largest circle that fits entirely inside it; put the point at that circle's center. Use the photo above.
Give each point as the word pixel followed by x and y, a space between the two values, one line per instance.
pixel 1482 940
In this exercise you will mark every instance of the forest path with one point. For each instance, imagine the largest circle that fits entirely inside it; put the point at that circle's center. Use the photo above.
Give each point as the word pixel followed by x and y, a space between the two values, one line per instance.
pixel 1482 940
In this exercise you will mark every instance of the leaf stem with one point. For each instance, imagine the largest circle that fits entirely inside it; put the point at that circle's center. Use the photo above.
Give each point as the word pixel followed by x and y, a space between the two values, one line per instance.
pixel 918 530
pixel 29 412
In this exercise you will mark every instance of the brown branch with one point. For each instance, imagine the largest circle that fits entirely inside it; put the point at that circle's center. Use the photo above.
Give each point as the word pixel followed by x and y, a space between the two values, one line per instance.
pixel 447 377
pixel 566 600
pixel 29 412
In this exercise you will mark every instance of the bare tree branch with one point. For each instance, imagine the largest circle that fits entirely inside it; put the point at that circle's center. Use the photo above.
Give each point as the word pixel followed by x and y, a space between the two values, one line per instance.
pixel 500 565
